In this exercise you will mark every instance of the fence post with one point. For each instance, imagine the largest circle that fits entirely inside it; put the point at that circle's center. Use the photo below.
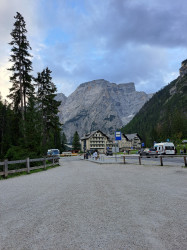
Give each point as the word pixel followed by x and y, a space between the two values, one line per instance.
pixel 6 168
pixel 28 165
pixel 140 160
pixel 185 163
pixel 161 161
pixel 44 162
pixel 124 159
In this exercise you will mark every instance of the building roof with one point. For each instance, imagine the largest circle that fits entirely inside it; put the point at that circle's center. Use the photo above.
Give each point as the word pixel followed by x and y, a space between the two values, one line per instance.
pixel 131 136
pixel 125 137
pixel 87 136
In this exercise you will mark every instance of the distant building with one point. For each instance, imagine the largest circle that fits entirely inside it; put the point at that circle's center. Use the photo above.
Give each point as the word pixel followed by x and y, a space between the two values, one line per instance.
pixel 96 140
pixel 129 141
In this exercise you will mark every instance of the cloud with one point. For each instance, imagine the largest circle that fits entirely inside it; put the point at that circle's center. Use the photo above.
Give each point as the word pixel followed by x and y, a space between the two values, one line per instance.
pixel 4 78
pixel 121 41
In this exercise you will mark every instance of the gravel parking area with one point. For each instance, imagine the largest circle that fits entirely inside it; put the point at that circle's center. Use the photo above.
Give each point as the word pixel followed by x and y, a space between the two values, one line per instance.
pixel 83 205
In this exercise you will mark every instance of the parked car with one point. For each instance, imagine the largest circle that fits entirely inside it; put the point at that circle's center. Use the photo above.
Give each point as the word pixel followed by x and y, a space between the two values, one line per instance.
pixel 148 152
pixel 53 152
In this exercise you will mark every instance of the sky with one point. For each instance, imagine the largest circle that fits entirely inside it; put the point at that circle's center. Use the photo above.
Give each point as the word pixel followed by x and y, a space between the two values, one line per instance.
pixel 140 41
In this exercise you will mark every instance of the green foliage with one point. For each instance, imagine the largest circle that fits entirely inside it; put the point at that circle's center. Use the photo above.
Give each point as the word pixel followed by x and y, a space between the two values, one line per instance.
pixel 76 142
pixel 48 108
pixel 30 125
pixel 17 153
pixel 64 142
pixel 21 67
pixel 33 128
pixel 7 118
pixel 164 116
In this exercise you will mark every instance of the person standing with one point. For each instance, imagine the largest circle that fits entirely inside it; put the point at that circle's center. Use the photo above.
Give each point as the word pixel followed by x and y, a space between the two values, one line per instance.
pixel 96 154
pixel 184 150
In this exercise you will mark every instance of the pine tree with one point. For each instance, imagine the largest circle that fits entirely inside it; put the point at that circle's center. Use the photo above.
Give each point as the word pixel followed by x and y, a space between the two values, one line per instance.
pixel 64 142
pixel 6 127
pixel 33 129
pixel 48 108
pixel 21 78
pixel 76 142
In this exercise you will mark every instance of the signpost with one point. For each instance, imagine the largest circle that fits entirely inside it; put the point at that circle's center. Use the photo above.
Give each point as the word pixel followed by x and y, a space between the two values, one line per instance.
pixel 117 138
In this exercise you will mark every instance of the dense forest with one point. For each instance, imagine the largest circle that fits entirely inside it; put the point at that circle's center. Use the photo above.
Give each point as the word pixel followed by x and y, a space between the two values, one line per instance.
pixel 164 116
pixel 29 124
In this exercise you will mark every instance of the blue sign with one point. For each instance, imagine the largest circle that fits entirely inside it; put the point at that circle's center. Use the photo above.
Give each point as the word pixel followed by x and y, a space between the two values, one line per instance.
pixel 118 136
pixel 167 140
pixel 143 144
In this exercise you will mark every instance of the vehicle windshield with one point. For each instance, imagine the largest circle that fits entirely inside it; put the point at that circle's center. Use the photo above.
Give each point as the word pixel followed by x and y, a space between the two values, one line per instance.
pixel 56 152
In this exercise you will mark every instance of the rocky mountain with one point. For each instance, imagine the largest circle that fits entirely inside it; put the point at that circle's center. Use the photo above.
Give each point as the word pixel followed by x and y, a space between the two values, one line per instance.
pixel 99 104
pixel 61 97
pixel 164 116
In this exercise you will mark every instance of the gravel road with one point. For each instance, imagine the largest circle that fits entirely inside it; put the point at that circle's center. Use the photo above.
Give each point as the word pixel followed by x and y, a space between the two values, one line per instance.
pixel 83 205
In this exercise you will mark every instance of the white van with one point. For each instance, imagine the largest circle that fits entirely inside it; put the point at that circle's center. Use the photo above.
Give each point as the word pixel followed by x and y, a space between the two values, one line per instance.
pixel 165 148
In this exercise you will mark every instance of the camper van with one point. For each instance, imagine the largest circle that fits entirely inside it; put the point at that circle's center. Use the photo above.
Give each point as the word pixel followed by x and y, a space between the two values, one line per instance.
pixel 165 148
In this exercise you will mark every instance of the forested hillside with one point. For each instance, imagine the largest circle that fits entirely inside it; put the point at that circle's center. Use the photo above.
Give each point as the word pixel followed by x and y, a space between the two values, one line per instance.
pixel 164 116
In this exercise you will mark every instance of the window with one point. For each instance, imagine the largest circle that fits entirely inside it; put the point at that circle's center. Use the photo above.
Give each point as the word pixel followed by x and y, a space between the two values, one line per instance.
pixel 169 148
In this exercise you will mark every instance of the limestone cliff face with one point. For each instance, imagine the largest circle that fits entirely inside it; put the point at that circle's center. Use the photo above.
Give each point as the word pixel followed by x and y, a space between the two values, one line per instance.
pixel 183 69
pixel 61 97
pixel 102 105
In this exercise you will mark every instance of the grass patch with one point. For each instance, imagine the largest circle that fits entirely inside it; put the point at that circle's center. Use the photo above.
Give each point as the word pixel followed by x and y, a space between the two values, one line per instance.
pixel 25 173
pixel 130 152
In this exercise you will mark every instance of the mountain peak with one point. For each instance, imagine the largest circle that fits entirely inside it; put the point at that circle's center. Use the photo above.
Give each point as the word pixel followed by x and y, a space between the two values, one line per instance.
pixel 100 104
pixel 183 69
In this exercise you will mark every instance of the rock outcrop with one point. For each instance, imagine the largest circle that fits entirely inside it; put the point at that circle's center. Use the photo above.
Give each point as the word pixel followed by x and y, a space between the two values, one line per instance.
pixel 61 97
pixel 101 105
pixel 183 69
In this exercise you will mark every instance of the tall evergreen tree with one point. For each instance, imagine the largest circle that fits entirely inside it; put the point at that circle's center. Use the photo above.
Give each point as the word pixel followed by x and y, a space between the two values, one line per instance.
pixel 33 129
pixel 48 108
pixel 21 78
pixel 76 142
pixel 64 142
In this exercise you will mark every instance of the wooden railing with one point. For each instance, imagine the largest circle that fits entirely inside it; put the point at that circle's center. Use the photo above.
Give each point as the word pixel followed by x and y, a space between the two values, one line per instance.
pixel 138 158
pixel 46 162
pixel 161 157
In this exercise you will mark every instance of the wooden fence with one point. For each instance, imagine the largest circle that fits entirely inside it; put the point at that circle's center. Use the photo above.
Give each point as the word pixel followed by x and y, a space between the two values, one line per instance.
pixel 159 156
pixel 46 162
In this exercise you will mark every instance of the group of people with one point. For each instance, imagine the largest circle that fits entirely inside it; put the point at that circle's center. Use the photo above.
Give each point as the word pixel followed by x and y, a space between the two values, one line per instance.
pixel 95 155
